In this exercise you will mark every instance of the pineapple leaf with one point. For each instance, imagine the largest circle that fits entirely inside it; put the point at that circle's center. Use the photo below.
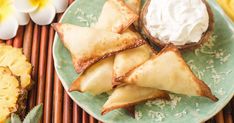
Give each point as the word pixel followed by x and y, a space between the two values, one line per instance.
pixel 34 115
pixel 15 118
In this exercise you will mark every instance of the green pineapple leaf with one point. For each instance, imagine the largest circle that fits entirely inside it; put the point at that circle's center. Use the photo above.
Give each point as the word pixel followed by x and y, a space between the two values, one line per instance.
pixel 15 118
pixel 34 115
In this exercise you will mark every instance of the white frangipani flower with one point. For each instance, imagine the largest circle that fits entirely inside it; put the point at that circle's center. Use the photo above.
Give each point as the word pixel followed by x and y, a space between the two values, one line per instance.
pixel 42 12
pixel 10 19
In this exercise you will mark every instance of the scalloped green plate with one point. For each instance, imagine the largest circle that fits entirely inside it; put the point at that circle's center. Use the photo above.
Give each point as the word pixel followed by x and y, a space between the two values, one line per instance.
pixel 214 65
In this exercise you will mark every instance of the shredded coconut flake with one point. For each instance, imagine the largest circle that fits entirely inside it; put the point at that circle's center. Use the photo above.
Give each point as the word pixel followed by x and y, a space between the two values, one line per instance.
pixel 174 101
pixel 156 116
pixel 221 55
pixel 138 115
pixel 221 92
pixel 85 18
pixel 162 103
pixel 181 114
pixel 225 59
pixel 210 62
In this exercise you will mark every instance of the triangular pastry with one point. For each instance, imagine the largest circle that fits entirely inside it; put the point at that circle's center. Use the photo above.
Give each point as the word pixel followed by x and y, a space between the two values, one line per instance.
pixel 168 71
pixel 96 79
pixel 130 95
pixel 116 16
pixel 135 5
pixel 130 59
pixel 88 45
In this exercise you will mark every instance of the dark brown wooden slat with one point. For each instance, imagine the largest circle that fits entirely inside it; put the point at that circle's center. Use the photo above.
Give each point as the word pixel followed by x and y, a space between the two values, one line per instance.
pixel 1 41
pixel 77 112
pixel 34 62
pixel 70 1
pixel 67 108
pixel 57 112
pixel 49 80
pixel 212 120
pixel 9 42
pixel 92 119
pixel 228 113
pixel 27 41
pixel 57 100
pixel 27 46
pixel 18 40
pixel 85 117
pixel 219 117
pixel 209 121
pixel 42 65
pixel 232 105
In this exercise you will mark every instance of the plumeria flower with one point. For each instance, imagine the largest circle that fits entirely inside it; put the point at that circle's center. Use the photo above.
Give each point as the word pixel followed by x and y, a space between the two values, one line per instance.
pixel 42 12
pixel 10 19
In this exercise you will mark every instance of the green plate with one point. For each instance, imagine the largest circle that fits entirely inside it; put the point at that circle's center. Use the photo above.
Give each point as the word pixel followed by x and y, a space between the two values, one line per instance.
pixel 214 65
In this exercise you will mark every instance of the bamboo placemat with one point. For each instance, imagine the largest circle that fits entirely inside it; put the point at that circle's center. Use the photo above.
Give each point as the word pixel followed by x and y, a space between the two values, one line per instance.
pixel 37 42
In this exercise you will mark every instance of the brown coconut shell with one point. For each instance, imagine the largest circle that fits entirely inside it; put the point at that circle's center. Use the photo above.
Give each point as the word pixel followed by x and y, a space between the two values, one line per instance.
pixel 205 36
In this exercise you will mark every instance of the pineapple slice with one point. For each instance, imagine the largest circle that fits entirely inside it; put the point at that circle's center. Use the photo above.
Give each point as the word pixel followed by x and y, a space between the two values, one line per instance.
pixel 17 62
pixel 9 93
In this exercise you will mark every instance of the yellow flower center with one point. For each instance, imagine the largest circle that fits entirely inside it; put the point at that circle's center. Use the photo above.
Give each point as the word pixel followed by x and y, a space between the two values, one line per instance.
pixel 6 9
pixel 39 3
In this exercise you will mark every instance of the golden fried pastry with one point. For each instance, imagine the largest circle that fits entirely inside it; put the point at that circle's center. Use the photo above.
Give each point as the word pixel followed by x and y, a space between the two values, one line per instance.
pixel 168 71
pixel 96 79
pixel 130 95
pixel 128 60
pixel 89 45
pixel 116 16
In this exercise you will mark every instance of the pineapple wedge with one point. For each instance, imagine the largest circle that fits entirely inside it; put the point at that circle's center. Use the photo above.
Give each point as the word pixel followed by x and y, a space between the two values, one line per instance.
pixel 17 62
pixel 10 93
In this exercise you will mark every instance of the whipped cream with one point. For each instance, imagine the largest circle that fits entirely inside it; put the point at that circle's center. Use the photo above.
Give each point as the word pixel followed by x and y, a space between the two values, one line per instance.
pixel 177 21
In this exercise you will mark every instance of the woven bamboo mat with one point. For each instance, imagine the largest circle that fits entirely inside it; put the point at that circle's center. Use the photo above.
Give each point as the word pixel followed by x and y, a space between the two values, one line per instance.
pixel 37 42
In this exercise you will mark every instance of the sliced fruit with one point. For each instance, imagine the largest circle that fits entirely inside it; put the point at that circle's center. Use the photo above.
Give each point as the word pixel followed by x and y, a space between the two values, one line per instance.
pixel 9 93
pixel 17 62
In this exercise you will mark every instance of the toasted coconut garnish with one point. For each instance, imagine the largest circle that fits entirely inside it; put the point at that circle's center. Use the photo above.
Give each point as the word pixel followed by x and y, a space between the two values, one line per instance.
pixel 168 71
pixel 130 95
pixel 94 44
pixel 96 79
pixel 127 60
pixel 205 36
pixel 116 16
